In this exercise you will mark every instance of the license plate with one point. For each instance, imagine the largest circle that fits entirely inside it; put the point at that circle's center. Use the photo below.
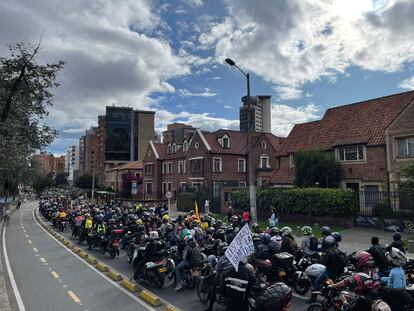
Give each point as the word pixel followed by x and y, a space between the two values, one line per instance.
pixel 162 270
pixel 282 273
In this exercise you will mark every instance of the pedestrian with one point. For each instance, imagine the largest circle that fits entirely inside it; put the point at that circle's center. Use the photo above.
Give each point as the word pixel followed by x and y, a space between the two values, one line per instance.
pixel 207 206
pixel 274 217
pixel 230 213
pixel 246 216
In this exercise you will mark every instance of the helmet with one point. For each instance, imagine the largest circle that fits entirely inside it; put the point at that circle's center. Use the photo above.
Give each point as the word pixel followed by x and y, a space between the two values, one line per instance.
pixel 229 230
pixel 219 223
pixel 363 260
pixel 220 234
pixel 153 235
pixel 210 231
pixel 141 227
pixel 272 224
pixel 255 227
pixel 204 218
pixel 165 216
pixel 256 238
pixel 315 270
pixel 329 241
pixel 396 236
pixel 111 221
pixel 274 231
pixel 397 257
pixel 234 219
pixel 191 213
pixel 139 222
pixel 169 227
pixel 221 248
pixel 274 297
pixel 380 305
pixel 185 232
pixel 337 236
pixel 195 223
pixel 285 231
pixel 306 230
pixel 265 238
pixel 144 238
pixel 325 230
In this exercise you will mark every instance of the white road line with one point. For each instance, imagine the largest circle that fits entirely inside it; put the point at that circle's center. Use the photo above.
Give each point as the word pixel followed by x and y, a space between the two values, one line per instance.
pixel 30 241
pixel 42 259
pixel 74 297
pixel 126 292
pixel 35 249
pixel 55 275
pixel 11 276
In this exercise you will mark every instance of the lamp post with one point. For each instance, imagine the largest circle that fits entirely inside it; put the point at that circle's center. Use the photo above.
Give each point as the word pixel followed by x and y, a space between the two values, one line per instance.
pixel 252 185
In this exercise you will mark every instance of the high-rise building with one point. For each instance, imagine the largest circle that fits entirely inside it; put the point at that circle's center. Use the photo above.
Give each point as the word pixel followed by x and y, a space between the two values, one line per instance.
pixel 81 155
pixel 260 117
pixel 128 133
pixel 49 163
pixel 72 163
pixel 177 132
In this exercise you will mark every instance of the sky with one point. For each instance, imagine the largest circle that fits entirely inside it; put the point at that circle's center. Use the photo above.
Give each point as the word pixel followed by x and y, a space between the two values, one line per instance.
pixel 168 56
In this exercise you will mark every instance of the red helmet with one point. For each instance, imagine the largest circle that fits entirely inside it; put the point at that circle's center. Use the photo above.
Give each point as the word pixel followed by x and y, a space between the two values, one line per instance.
pixel 363 260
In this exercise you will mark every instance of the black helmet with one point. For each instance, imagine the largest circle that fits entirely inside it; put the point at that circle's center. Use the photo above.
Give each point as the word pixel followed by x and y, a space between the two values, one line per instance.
pixel 169 227
pixel 329 242
pixel 337 236
pixel 219 223
pixel 274 231
pixel 255 227
pixel 234 219
pixel 265 238
pixel 221 248
pixel 275 297
pixel 396 236
pixel 210 231
pixel 229 230
pixel 256 238
pixel 325 230
pixel 220 234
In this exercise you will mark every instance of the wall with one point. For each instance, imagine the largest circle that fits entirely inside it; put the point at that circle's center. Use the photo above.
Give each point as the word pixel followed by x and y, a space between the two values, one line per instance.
pixel 146 131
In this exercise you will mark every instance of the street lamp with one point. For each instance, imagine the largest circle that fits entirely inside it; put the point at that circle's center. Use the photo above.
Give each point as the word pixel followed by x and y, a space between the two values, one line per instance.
pixel 252 186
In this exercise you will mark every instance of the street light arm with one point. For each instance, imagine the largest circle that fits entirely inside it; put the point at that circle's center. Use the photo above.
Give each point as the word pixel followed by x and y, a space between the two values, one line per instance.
pixel 245 74
pixel 232 63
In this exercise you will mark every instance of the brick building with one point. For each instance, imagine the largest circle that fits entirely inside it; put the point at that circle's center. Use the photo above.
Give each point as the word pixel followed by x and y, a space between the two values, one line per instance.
pixel 49 163
pixel 208 161
pixel 370 139
pixel 113 178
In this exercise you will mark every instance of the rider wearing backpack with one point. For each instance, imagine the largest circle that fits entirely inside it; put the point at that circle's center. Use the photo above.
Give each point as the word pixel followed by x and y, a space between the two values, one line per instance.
pixel 309 244
pixel 191 257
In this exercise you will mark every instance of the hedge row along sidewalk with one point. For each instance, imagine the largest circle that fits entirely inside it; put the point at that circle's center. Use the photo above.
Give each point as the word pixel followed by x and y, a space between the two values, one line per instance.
pixel 137 290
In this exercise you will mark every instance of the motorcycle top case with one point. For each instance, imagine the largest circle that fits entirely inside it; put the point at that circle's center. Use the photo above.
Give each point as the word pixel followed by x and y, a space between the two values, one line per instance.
pixel 282 260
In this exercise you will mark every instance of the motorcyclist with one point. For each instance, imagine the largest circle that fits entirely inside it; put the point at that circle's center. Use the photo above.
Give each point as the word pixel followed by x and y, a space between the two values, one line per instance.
pixel 238 286
pixel 378 253
pixel 99 232
pixel 187 261
pixel 397 242
pixel 309 244
pixel 78 223
pixel 230 233
pixel 256 228
pixel 397 277
pixel 196 231
pixel 87 227
pixel 234 221
pixel 170 236
pixel 288 241
pixel 338 238
pixel 326 232
pixel 149 253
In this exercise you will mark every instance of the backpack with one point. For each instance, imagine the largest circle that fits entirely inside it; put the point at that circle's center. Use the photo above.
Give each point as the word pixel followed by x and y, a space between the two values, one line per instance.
pixel 340 260
pixel 196 257
pixel 313 244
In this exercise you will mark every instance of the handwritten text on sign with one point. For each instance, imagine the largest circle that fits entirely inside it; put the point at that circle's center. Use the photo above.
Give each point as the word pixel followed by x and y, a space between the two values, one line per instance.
pixel 240 247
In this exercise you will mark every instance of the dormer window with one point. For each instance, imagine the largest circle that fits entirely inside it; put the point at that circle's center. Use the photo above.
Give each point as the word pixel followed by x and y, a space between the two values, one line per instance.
pixel 169 149
pixel 225 141
pixel 185 146
pixel 174 148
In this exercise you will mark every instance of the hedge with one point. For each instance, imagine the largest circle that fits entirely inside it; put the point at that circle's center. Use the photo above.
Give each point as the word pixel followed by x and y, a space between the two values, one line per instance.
pixel 311 201
pixel 185 201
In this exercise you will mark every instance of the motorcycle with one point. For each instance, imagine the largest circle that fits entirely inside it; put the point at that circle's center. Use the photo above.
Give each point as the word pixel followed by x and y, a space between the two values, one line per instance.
pixel 206 280
pixel 114 243
pixel 62 225
pixel 307 275
pixel 155 272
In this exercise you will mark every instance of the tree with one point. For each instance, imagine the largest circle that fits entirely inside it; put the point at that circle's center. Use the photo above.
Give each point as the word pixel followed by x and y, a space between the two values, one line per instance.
pixel 406 177
pixel 25 94
pixel 314 168
pixel 61 179
pixel 85 182
pixel 42 182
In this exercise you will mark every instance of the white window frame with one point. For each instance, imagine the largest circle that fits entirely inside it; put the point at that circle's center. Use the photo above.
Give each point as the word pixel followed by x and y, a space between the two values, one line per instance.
pixel 220 169
pixel 152 169
pixel 174 148
pixel 408 155
pixel 242 184
pixel 214 189
pixel 169 165
pixel 228 142
pixel 164 187
pixel 169 149
pixel 292 160
pixel 185 146
pixel 146 187
pixel 244 165
pixel 261 162
pixel 338 151
pixel 164 168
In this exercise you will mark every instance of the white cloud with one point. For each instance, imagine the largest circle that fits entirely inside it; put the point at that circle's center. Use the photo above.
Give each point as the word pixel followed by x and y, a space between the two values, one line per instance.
pixel 195 3
pixel 228 107
pixel 299 42
pixel 187 93
pixel 215 78
pixel 407 84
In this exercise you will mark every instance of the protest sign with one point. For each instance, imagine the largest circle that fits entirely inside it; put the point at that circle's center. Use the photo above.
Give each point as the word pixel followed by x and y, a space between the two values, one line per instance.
pixel 240 247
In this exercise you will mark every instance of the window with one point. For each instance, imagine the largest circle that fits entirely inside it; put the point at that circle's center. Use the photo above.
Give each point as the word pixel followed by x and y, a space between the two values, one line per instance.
pixel 174 148
pixel 148 169
pixel 169 168
pixel 164 187
pixel 195 166
pixel 264 162
pixel 148 187
pixel 217 165
pixel 169 186
pixel 242 184
pixel 405 147
pixel 264 145
pixel 292 160
pixel 225 142
pixel 351 153
pixel 164 168
pixel 169 149
pixel 372 196
pixel 183 186
pixel 185 146
pixel 242 165
pixel 137 174
pixel 181 167
pixel 217 189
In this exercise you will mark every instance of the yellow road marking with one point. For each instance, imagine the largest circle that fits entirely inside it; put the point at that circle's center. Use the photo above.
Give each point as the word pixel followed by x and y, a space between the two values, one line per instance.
pixel 42 259
pixel 55 275
pixel 73 296
pixel 35 249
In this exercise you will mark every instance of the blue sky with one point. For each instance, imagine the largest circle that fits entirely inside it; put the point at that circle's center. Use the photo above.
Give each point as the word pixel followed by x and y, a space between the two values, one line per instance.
pixel 169 56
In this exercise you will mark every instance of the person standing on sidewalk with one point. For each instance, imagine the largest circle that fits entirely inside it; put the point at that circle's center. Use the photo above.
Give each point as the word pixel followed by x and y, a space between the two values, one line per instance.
pixel 246 216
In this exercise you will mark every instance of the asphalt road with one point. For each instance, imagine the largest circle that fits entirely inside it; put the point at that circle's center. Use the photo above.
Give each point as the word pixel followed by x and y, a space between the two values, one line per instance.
pixel 49 277
pixel 35 278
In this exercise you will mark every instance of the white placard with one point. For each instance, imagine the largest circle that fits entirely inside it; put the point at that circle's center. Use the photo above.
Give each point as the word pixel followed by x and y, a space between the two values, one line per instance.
pixel 240 247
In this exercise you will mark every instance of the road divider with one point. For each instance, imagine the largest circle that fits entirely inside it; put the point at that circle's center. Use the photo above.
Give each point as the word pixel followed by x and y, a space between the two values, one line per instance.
pixel 102 267
pixel 132 287
pixel 114 275
pixel 83 255
pixel 91 260
pixel 150 298
pixel 170 308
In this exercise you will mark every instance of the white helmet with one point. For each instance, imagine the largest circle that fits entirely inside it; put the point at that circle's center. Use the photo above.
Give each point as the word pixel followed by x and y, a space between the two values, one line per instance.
pixel 285 231
pixel 380 305
pixel 397 257
pixel 153 235
pixel 315 270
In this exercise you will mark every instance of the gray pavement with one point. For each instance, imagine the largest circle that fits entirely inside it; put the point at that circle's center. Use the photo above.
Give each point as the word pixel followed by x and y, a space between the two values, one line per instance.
pixel 49 277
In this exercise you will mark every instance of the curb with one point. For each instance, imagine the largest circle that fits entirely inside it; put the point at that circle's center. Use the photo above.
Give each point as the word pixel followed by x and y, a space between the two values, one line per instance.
pixel 132 287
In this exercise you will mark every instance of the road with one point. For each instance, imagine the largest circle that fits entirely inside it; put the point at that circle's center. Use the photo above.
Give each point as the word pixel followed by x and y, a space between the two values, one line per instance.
pixel 49 277
pixel 92 289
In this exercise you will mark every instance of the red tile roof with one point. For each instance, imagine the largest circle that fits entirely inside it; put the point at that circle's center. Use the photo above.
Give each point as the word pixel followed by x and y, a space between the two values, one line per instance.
pixel 359 123
pixel 134 165
pixel 283 176
pixel 238 141
pixel 161 150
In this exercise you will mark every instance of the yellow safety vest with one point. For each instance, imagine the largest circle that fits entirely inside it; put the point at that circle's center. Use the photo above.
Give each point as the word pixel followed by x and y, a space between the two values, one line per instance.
pixel 88 224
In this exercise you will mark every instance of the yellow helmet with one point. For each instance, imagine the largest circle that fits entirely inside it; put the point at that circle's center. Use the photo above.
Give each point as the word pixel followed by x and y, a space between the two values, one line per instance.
pixel 165 217
pixel 139 222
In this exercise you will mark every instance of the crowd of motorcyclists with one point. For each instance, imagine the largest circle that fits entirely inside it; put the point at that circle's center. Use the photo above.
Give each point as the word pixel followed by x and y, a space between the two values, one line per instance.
pixel 190 249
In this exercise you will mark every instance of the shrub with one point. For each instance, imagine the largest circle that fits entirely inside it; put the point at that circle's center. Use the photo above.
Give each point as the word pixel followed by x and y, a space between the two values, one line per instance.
pixel 311 201
pixel 383 210
pixel 185 201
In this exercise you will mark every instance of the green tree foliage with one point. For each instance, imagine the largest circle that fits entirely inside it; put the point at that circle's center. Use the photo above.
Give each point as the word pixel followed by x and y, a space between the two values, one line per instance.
pixel 25 95
pixel 61 179
pixel 315 168
pixel 85 182
pixel 406 178
pixel 311 201
pixel 42 182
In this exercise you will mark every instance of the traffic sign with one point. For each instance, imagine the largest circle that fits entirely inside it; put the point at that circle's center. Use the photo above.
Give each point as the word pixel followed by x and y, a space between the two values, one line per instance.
pixel 169 194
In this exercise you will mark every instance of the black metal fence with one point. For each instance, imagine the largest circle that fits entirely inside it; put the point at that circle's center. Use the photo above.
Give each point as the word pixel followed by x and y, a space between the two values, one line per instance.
pixel 387 204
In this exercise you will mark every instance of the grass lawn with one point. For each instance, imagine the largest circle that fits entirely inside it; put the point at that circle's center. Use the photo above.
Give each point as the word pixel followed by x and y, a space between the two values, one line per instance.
pixel 406 241
pixel 295 226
